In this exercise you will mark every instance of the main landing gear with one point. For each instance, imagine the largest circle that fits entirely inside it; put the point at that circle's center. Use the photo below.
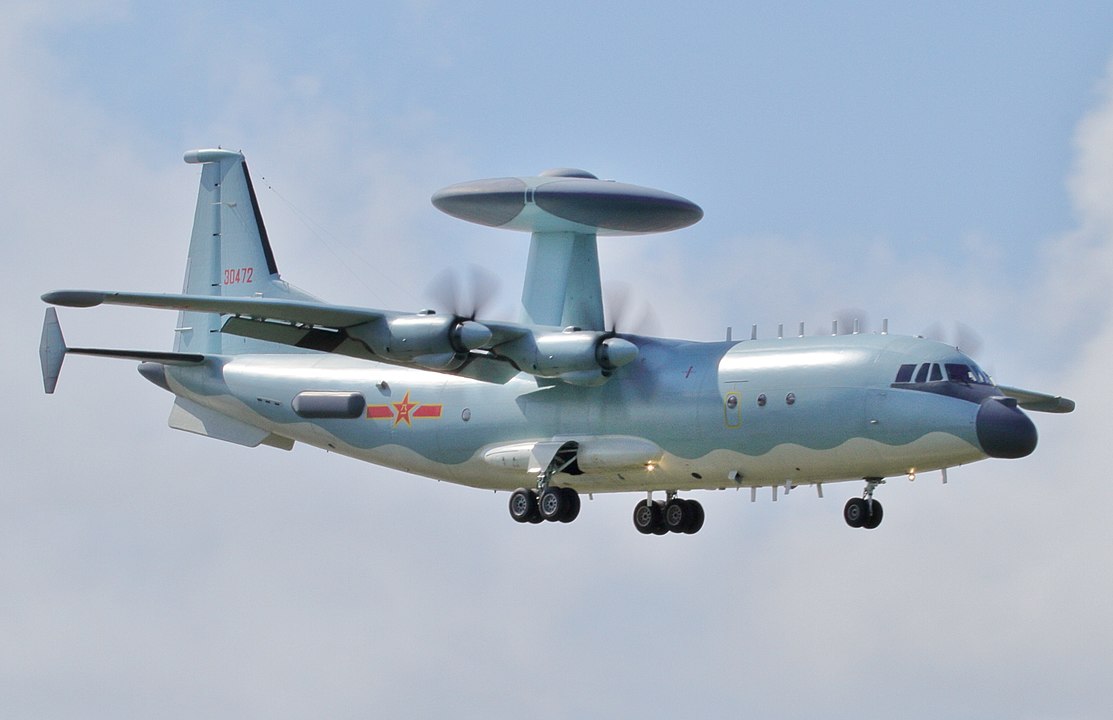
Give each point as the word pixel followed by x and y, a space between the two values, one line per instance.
pixel 548 502
pixel 562 504
pixel 864 512
pixel 554 504
pixel 674 515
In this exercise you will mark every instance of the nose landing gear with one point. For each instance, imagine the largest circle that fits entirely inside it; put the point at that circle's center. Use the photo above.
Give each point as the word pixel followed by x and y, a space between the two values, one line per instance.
pixel 864 512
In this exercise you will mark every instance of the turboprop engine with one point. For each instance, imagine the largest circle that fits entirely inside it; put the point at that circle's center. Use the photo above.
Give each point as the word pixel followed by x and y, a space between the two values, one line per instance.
pixel 426 339
pixel 577 357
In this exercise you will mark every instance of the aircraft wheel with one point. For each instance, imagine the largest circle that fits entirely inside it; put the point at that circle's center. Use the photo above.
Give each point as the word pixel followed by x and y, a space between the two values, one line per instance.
pixel 647 517
pixel 678 515
pixel 572 505
pixel 856 512
pixel 696 522
pixel 523 506
pixel 875 515
pixel 553 503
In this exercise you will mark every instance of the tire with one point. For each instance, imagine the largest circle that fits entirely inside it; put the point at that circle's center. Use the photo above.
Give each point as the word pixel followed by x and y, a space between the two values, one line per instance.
pixel 677 516
pixel 856 512
pixel 523 505
pixel 696 522
pixel 660 528
pixel 552 504
pixel 647 516
pixel 874 516
pixel 572 505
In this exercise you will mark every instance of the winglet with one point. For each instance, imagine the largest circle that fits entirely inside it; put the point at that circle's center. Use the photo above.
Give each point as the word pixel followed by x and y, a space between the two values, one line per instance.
pixel 52 350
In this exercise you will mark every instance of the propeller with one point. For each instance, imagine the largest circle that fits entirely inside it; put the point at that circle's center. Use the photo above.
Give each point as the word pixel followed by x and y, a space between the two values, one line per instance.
pixel 462 295
pixel 625 314
pixel 464 292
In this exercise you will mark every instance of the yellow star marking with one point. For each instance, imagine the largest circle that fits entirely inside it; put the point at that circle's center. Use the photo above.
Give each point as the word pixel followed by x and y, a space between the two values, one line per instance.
pixel 404 409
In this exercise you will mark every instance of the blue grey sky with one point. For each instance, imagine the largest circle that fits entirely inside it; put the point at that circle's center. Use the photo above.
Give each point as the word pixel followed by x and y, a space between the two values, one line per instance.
pixel 931 165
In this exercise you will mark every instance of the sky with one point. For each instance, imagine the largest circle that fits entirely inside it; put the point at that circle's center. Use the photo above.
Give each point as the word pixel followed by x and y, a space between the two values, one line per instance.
pixel 946 167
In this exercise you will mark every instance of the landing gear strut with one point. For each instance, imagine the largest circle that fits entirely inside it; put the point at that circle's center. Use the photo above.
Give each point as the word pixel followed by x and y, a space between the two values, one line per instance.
pixel 864 512
pixel 674 515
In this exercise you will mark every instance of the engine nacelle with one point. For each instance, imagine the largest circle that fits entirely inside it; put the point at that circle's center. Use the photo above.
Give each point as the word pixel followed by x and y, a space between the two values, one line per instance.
pixel 426 338
pixel 577 357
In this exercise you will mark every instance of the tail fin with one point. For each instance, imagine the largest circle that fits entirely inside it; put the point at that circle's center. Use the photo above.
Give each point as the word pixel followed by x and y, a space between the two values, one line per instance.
pixel 229 254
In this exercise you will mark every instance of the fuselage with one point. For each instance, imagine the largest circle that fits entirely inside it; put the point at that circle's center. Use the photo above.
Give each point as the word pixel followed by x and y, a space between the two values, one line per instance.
pixel 684 415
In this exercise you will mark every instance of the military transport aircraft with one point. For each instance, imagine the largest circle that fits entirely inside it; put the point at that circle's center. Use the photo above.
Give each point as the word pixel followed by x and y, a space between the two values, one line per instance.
pixel 557 404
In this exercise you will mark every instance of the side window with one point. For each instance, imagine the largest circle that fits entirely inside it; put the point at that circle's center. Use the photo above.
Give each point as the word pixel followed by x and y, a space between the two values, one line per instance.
pixel 922 376
pixel 905 373
pixel 936 373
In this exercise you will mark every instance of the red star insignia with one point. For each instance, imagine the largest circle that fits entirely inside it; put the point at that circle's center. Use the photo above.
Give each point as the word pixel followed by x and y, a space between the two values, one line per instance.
pixel 403 410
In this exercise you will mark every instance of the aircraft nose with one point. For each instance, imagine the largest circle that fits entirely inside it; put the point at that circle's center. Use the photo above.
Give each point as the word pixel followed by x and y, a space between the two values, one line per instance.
pixel 1004 431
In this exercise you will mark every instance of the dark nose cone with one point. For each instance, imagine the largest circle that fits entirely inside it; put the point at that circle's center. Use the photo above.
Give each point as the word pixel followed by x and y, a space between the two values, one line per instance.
pixel 1003 430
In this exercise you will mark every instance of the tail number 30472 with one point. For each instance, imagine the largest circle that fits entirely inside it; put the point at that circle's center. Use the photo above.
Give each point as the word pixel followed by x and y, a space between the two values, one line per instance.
pixel 233 276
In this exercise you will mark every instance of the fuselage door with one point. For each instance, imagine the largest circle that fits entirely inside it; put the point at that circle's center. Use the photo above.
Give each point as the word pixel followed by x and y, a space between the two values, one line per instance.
pixel 732 406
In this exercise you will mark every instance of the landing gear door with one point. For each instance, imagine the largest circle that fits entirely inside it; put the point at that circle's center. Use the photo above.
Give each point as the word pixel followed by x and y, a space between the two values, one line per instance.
pixel 542 455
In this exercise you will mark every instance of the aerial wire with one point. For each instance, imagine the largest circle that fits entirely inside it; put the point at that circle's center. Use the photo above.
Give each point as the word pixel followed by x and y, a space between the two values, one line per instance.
pixel 322 234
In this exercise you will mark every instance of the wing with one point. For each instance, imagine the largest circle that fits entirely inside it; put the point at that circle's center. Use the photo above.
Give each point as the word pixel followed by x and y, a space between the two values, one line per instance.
pixel 487 351
pixel 294 311
pixel 1038 402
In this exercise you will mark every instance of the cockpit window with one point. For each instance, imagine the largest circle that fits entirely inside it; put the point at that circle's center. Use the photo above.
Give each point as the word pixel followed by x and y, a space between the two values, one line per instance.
pixel 969 374
pixel 952 372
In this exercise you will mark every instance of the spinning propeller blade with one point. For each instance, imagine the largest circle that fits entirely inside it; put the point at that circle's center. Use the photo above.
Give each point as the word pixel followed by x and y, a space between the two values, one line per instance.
pixel 464 292
pixel 625 314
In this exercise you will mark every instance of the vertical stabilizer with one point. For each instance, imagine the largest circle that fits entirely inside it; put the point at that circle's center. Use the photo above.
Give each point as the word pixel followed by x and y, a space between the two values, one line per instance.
pixel 229 253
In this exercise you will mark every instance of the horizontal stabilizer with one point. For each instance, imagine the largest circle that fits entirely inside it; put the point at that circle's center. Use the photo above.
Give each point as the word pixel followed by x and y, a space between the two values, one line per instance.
pixel 53 350
pixel 1038 402
pixel 153 356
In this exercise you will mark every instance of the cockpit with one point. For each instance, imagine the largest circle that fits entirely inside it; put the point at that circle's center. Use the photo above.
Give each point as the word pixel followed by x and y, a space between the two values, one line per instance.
pixel 934 372
pixel 962 380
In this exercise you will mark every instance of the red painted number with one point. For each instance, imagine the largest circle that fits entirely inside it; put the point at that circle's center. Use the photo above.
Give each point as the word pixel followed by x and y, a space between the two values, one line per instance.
pixel 233 276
